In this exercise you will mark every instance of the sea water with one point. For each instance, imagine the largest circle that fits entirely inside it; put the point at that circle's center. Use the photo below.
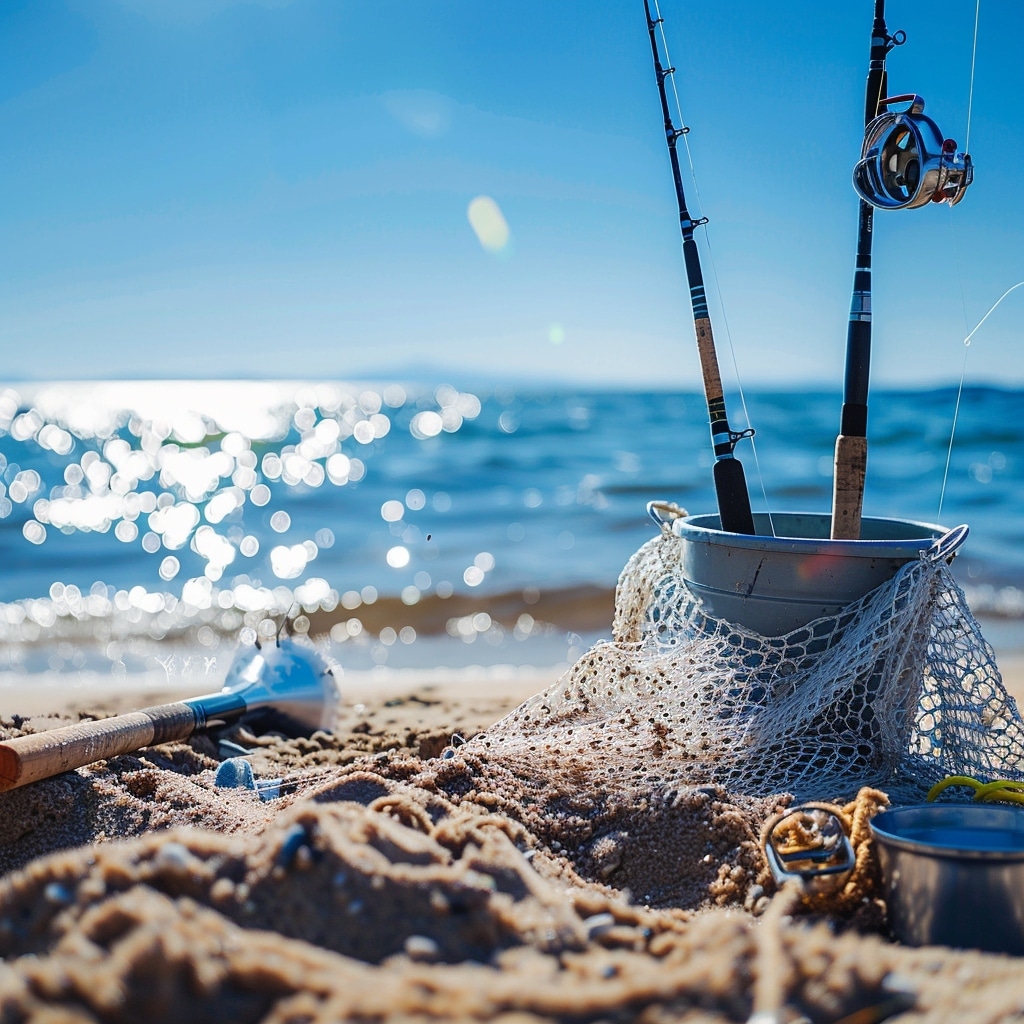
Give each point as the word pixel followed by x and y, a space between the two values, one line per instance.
pixel 139 514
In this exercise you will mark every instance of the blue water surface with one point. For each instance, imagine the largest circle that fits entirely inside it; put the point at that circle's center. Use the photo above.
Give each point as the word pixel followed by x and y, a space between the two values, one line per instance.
pixel 193 488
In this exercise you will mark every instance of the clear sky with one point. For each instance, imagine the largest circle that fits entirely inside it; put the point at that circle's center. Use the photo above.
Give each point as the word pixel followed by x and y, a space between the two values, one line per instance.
pixel 283 188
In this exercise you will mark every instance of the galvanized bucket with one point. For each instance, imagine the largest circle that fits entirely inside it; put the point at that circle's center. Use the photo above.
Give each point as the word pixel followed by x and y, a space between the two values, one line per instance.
pixel 777 583
pixel 954 875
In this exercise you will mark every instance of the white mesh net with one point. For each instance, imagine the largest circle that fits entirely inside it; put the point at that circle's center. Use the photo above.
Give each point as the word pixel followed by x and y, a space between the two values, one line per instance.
pixel 897 690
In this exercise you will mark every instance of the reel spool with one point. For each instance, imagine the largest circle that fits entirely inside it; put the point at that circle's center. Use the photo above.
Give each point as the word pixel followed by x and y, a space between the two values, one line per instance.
pixel 905 161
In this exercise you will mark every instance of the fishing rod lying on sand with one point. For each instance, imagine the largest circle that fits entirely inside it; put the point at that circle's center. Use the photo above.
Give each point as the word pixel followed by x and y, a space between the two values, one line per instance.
pixel 287 677
pixel 730 482
pixel 906 163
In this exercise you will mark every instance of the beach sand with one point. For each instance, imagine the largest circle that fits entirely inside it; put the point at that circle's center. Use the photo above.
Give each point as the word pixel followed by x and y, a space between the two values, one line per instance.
pixel 392 879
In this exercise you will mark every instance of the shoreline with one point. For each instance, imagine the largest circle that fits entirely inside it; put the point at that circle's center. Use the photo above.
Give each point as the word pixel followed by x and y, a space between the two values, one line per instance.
pixel 39 693
pixel 174 669
pixel 584 608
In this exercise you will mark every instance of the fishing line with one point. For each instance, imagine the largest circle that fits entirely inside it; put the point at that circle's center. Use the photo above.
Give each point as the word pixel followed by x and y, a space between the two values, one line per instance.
pixel 952 434
pixel 967 149
pixel 959 394
pixel 963 368
pixel 714 269
pixel 970 94
pixel 959 273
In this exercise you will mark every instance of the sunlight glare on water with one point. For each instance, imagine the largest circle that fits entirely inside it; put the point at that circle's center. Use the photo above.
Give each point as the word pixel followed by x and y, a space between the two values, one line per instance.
pixel 186 467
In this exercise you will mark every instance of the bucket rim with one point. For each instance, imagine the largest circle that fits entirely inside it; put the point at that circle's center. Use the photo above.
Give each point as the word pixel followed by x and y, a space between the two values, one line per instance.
pixel 886 829
pixel 692 527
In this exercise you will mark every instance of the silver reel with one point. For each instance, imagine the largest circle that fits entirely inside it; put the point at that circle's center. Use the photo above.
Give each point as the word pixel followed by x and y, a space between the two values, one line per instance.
pixel 905 162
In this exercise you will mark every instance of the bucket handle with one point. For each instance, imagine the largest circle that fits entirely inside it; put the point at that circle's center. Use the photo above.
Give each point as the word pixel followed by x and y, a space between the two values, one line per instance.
pixel 946 546
pixel 664 513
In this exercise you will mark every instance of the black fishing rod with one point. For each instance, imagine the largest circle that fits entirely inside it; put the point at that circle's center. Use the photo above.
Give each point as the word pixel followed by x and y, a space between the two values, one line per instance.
pixel 730 482
pixel 851 454
pixel 906 163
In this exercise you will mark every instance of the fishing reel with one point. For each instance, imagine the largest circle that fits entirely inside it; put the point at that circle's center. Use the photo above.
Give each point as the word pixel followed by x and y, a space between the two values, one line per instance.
pixel 905 162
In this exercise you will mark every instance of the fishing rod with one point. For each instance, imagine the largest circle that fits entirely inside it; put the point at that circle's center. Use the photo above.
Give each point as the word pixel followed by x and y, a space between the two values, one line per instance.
pixel 906 163
pixel 730 481
pixel 287 677
pixel 851 453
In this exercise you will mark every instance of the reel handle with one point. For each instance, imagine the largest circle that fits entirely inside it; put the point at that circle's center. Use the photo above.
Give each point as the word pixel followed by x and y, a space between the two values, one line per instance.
pixel 916 102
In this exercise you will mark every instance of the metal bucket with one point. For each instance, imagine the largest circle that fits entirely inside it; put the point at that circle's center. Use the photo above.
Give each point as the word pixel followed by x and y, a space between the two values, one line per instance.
pixel 954 875
pixel 776 584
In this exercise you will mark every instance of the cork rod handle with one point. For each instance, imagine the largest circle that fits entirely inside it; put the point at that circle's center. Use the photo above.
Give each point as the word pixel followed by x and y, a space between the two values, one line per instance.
pixel 851 462
pixel 708 360
pixel 39 756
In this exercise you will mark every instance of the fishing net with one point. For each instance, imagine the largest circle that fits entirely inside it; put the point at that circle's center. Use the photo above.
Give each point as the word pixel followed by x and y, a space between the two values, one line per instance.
pixel 897 690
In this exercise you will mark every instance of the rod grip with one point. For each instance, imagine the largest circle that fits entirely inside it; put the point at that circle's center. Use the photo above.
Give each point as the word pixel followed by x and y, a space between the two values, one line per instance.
pixel 708 359
pixel 41 755
pixel 733 499
pixel 848 486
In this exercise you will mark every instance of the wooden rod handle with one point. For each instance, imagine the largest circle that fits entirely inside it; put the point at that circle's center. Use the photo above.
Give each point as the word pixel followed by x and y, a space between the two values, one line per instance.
pixel 708 359
pixel 848 486
pixel 42 755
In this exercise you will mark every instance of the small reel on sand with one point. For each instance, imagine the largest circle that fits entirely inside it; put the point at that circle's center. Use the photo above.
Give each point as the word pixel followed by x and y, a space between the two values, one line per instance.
pixel 906 162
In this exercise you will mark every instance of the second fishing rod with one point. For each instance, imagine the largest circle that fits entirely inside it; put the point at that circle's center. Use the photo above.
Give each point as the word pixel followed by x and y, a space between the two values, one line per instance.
pixel 851 453
pixel 730 480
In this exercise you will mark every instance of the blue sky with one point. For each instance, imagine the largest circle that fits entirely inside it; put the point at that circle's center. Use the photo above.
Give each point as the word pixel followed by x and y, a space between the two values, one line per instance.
pixel 281 188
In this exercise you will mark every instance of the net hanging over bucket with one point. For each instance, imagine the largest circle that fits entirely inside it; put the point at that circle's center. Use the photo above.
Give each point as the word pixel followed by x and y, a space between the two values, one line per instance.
pixel 896 690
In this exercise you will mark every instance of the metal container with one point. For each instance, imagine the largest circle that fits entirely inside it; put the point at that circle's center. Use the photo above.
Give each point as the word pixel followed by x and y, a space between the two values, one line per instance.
pixel 776 584
pixel 954 875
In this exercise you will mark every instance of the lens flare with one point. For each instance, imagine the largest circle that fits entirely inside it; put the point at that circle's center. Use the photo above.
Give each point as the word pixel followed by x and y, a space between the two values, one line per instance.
pixel 489 224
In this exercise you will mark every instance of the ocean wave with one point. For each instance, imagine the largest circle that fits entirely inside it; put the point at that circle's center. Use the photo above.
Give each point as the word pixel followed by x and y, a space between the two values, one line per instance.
pixel 996 602
pixel 71 619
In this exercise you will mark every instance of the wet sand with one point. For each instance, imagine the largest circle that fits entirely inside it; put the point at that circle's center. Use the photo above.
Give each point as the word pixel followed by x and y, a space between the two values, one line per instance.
pixel 398 877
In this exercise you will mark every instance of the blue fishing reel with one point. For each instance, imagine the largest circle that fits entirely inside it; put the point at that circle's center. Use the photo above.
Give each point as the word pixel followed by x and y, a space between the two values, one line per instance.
pixel 906 162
